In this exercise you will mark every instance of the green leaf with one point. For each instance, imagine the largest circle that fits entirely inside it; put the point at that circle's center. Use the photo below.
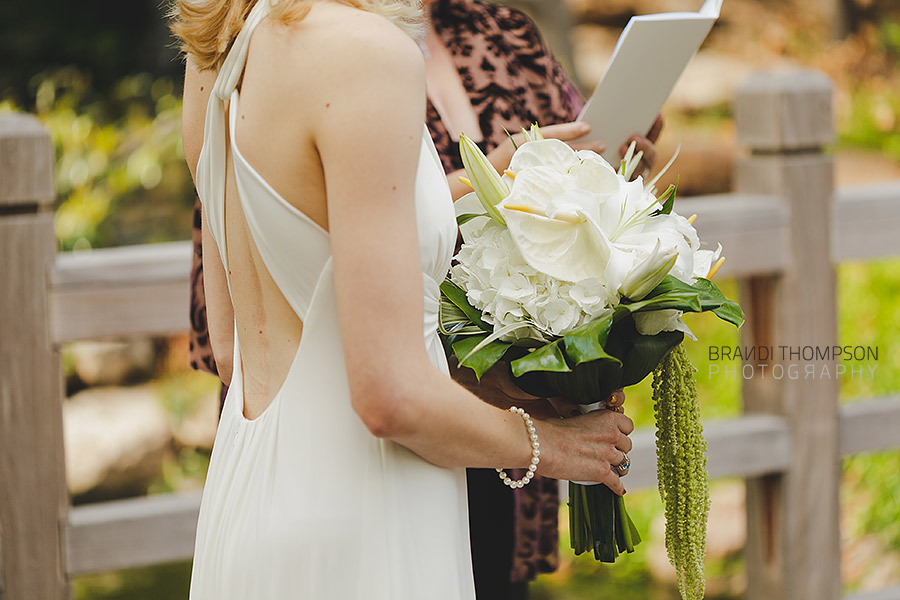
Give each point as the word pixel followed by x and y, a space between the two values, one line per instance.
pixel 645 352
pixel 711 297
pixel 586 343
pixel 457 296
pixel 729 310
pixel 512 140
pixel 667 200
pixel 547 358
pixel 484 358
pixel 466 217
pixel 687 301
pixel 453 321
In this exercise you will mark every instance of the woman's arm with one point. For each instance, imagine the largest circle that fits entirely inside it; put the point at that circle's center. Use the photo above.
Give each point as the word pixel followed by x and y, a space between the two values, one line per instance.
pixel 369 139
pixel 220 320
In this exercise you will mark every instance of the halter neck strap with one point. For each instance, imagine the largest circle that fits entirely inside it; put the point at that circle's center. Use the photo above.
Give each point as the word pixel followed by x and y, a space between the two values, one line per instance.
pixel 233 66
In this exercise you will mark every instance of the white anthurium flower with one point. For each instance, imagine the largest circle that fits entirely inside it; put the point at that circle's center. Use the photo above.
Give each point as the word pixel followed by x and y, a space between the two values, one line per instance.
pixel 561 240
pixel 594 174
pixel 551 153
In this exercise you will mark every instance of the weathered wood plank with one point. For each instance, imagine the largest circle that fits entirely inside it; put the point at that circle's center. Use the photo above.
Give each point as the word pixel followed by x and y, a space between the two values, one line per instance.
pixel 159 529
pixel 885 594
pixel 26 162
pixel 785 109
pixel 752 228
pixel 124 265
pixel 131 533
pixel 33 499
pixel 155 529
pixel 115 311
pixel 865 222
pixel 870 425
pixel 746 446
pixel 142 290
pixel 793 545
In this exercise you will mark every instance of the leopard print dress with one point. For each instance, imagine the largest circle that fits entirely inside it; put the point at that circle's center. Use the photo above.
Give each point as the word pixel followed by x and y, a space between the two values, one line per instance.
pixel 512 81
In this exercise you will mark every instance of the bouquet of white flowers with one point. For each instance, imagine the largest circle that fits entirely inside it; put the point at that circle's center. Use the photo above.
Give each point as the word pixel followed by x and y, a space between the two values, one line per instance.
pixel 578 279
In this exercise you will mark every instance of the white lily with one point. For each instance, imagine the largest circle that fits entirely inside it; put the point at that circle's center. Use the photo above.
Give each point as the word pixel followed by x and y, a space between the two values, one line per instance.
pixel 630 161
pixel 488 185
pixel 533 134
pixel 648 273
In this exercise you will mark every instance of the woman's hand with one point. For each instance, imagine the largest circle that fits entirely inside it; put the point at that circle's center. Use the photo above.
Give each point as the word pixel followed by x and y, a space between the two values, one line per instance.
pixel 566 408
pixel 566 132
pixel 585 448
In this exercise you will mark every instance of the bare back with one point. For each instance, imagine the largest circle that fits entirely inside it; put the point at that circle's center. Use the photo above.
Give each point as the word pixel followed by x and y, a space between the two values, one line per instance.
pixel 275 137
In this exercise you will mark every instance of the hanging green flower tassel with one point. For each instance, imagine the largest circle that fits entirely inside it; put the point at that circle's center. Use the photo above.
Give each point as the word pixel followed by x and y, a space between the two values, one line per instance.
pixel 683 479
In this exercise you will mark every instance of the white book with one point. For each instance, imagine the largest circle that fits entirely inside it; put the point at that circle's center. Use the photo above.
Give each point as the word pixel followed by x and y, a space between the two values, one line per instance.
pixel 648 59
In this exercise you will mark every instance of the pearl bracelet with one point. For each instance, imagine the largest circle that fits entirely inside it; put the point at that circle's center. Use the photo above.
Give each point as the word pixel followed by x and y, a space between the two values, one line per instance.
pixel 535 452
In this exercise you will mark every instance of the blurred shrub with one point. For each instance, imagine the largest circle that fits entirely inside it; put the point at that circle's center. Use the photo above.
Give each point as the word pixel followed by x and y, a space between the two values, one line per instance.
pixel 867 71
pixel 120 171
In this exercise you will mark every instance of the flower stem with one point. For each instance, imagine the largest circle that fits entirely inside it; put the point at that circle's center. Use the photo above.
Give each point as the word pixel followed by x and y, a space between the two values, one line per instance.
pixel 598 522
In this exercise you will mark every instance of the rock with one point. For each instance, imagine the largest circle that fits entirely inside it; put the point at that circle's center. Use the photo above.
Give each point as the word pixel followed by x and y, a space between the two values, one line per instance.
pixel 115 440
pixel 112 363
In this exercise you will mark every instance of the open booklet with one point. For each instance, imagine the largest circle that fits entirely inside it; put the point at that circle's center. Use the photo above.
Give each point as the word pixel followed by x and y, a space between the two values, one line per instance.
pixel 648 59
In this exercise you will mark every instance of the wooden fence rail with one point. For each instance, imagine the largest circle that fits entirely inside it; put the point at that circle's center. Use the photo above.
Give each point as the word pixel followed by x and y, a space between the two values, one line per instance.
pixel 784 229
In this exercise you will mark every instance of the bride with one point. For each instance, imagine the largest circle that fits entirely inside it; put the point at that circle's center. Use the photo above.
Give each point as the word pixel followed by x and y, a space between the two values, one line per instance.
pixel 337 467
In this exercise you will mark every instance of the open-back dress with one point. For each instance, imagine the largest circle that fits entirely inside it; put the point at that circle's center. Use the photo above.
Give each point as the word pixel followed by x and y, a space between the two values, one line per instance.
pixel 303 502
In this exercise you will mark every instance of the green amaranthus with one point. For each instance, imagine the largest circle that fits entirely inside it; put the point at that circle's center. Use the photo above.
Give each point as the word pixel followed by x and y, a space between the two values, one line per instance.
pixel 681 459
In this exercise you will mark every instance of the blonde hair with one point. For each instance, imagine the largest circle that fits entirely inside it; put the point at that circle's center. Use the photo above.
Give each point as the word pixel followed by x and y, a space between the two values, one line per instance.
pixel 206 29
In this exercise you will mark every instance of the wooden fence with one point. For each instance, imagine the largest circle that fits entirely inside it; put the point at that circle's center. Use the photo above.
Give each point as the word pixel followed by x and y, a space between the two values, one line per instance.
pixel 784 229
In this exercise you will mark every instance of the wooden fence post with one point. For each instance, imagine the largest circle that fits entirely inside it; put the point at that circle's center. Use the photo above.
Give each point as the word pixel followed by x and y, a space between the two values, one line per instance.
pixel 784 118
pixel 33 497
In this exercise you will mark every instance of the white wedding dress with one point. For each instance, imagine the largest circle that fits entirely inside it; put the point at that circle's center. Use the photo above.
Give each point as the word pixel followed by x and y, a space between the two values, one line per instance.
pixel 303 502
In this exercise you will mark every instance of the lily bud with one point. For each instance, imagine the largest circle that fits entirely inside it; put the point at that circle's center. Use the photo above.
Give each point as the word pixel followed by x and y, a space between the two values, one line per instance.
pixel 533 134
pixel 647 275
pixel 486 181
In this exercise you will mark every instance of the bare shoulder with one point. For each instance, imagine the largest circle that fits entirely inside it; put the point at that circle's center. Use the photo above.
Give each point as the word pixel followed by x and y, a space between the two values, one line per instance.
pixel 197 88
pixel 341 40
